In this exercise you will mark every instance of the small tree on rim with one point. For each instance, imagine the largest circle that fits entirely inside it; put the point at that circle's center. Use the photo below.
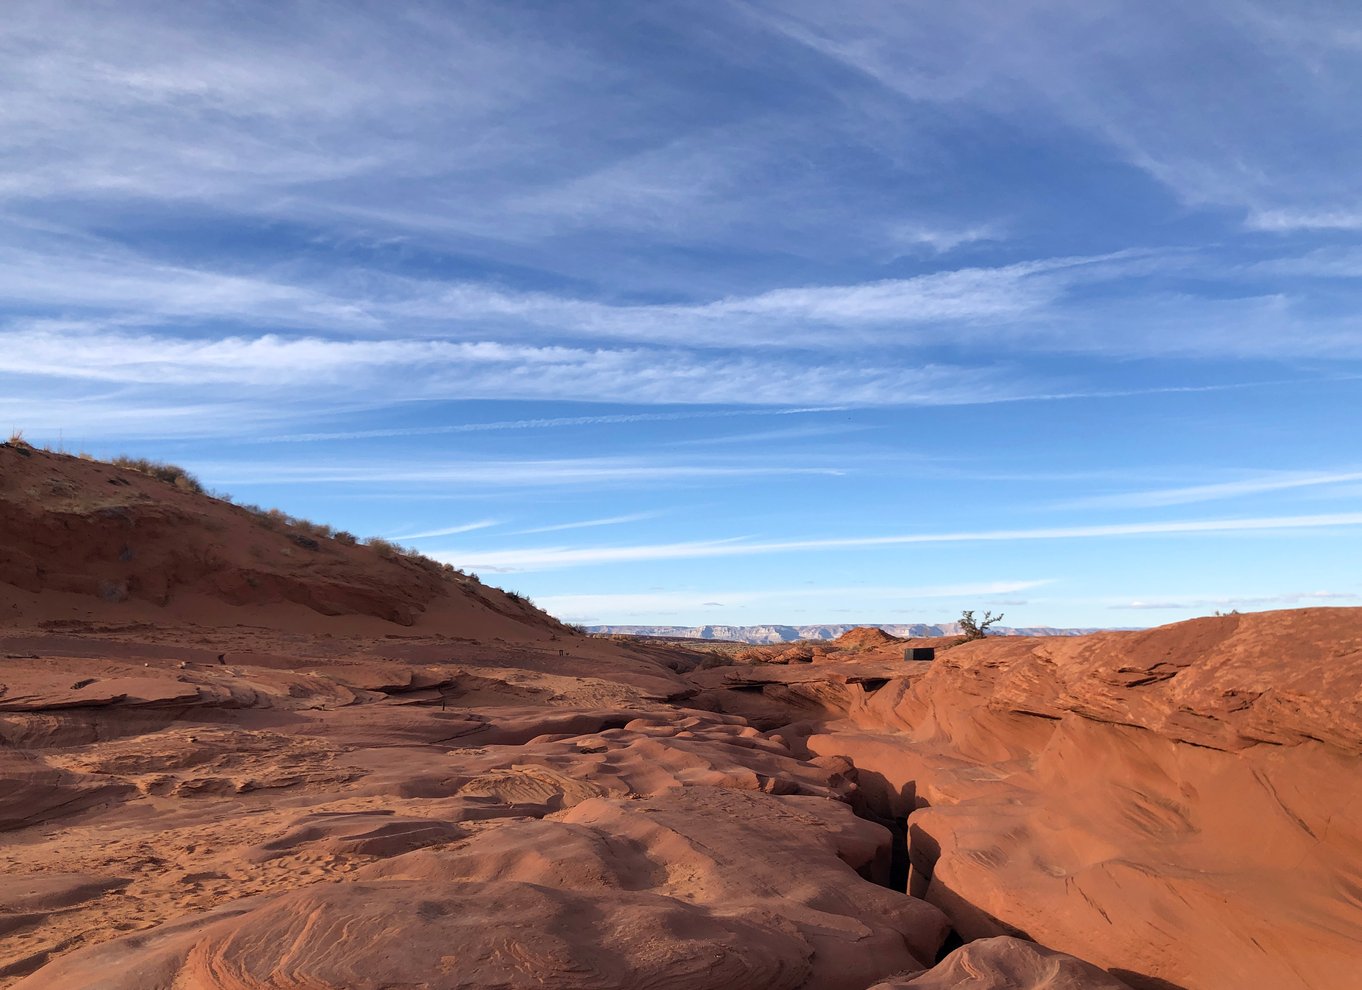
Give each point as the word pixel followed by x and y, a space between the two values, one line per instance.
pixel 976 630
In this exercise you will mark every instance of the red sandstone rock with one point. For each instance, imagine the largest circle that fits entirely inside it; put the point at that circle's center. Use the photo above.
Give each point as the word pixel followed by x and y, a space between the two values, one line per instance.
pixel 1004 963
pixel 1179 806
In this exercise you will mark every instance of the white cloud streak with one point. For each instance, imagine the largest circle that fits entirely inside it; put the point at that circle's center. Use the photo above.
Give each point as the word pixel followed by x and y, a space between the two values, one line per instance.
pixel 121 288
pixel 548 423
pixel 403 370
pixel 450 530
pixel 1263 484
pixel 494 474
pixel 549 558
pixel 590 523
pixel 1248 601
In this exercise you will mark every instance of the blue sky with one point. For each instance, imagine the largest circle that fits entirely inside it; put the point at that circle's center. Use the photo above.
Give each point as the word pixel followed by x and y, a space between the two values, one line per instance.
pixel 717 312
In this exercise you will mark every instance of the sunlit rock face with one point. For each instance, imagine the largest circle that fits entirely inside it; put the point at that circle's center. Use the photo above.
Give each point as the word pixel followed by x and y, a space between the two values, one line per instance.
pixel 1136 799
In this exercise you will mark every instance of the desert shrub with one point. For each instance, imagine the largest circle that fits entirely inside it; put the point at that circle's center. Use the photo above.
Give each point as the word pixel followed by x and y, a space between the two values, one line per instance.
pixel 520 597
pixel 317 530
pixel 170 473
pixel 277 519
pixel 382 547
pixel 341 536
pixel 428 564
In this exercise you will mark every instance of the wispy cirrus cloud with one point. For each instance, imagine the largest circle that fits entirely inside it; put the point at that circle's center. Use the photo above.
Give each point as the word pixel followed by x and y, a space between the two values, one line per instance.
pixel 505 473
pixel 476 369
pixel 103 300
pixel 450 530
pixel 1277 481
pixel 1249 601
pixel 548 558
pixel 542 423
pixel 117 288
pixel 941 239
pixel 227 107
pixel 769 436
pixel 1133 78
pixel 1285 220
pixel 589 523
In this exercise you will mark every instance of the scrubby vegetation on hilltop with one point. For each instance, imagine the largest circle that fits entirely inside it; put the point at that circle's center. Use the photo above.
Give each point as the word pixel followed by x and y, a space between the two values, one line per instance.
pixel 300 530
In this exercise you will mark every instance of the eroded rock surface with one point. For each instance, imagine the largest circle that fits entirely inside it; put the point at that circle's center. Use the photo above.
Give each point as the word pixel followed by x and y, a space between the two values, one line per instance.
pixel 564 843
pixel 1182 807
pixel 1004 963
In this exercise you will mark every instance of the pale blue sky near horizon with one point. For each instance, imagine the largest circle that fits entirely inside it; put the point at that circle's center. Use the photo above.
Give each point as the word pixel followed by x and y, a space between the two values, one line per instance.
pixel 732 312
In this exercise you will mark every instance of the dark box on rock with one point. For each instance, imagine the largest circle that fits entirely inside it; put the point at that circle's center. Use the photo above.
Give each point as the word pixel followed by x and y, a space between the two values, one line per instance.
pixel 920 653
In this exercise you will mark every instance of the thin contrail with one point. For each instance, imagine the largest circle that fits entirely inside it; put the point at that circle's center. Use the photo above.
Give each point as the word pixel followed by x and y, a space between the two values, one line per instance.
pixel 541 424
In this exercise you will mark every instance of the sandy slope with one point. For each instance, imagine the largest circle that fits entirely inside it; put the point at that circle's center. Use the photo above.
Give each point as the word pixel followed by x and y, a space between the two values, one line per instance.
pixel 89 542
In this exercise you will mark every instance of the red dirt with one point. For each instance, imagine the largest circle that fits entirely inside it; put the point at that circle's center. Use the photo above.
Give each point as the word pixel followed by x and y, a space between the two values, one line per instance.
pixel 89 542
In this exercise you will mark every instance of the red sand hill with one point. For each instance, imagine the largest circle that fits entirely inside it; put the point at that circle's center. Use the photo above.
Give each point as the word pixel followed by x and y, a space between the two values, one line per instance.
pixel 85 540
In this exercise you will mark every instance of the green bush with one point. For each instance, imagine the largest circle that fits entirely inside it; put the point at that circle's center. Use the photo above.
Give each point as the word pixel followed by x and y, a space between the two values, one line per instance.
pixel 976 629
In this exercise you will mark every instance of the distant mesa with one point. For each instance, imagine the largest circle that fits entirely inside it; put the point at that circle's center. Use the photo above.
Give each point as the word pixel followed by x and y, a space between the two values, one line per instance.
pixel 791 634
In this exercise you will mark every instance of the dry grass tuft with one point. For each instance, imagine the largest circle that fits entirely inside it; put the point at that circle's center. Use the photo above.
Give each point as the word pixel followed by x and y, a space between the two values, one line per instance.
pixel 384 548
pixel 170 473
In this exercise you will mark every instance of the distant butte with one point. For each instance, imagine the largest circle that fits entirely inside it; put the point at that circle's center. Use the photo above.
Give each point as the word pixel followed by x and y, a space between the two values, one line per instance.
pixel 791 634
pixel 237 752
